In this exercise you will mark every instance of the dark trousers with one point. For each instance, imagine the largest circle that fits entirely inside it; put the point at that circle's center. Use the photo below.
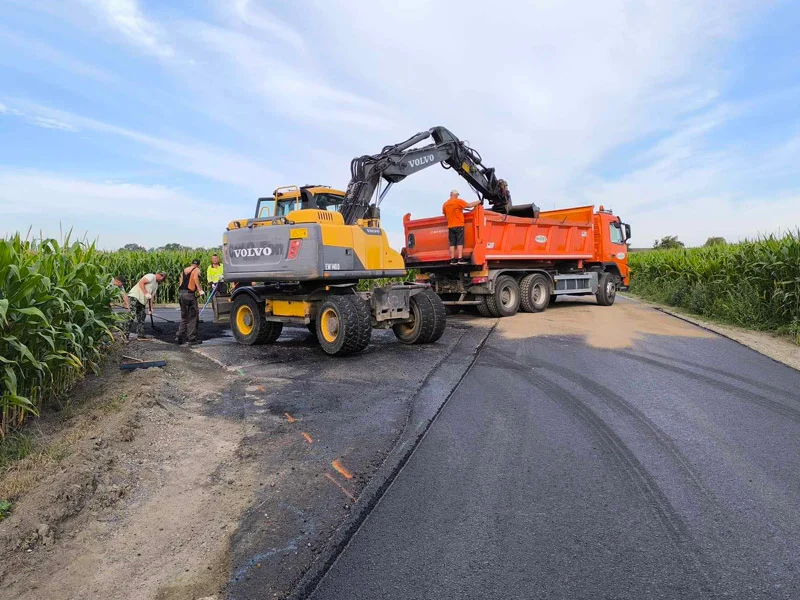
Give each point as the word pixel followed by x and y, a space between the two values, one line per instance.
pixel 137 315
pixel 189 316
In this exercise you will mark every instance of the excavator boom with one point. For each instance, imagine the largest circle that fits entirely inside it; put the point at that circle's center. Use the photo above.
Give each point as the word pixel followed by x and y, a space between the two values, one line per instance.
pixel 395 163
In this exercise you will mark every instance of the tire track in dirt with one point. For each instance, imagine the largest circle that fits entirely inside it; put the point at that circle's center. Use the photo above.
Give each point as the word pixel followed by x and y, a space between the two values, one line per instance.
pixel 753 397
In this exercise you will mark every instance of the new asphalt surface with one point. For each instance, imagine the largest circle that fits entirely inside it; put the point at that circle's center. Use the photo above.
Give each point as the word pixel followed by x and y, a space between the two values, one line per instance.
pixel 655 463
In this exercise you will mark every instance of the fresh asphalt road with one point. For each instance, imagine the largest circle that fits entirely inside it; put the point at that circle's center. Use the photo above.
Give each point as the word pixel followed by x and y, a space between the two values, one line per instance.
pixel 665 466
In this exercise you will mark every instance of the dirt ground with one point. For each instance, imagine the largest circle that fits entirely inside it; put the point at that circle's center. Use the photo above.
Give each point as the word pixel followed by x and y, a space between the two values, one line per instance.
pixel 131 492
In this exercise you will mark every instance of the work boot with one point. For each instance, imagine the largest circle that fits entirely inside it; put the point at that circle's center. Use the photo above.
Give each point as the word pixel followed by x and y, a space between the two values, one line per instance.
pixel 179 341
pixel 195 342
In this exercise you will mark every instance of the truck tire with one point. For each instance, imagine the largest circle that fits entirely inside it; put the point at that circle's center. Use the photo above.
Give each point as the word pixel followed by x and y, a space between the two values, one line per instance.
pixel 439 312
pixel 606 289
pixel 483 307
pixel 249 324
pixel 341 325
pixel 505 300
pixel 427 321
pixel 534 292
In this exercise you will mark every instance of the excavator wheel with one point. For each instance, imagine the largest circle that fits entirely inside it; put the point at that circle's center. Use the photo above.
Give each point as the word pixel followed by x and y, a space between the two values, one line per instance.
pixel 534 292
pixel 483 307
pixel 439 312
pixel 427 320
pixel 343 325
pixel 249 324
pixel 505 300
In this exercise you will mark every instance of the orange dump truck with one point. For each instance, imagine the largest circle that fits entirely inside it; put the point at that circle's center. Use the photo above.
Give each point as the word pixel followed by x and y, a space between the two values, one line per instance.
pixel 521 262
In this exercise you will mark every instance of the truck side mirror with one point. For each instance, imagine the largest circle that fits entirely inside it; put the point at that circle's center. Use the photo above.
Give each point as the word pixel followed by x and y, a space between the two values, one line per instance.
pixel 627 231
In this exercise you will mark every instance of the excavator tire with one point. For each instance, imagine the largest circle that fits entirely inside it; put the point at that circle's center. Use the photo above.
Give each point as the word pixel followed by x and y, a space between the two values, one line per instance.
pixel 439 312
pixel 534 292
pixel 249 324
pixel 424 324
pixel 505 300
pixel 343 325
pixel 606 289
pixel 483 307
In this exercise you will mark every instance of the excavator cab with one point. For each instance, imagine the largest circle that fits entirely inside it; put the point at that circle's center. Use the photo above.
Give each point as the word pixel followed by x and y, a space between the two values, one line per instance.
pixel 291 197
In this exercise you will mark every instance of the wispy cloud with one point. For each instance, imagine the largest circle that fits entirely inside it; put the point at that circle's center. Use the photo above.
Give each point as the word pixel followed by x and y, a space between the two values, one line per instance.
pixel 200 159
pixel 253 15
pixel 127 18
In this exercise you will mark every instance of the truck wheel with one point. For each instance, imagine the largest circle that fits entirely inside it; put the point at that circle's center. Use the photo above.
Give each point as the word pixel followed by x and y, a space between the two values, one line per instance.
pixel 249 324
pixel 505 300
pixel 341 325
pixel 606 289
pixel 534 292
pixel 426 324
pixel 439 312
pixel 483 308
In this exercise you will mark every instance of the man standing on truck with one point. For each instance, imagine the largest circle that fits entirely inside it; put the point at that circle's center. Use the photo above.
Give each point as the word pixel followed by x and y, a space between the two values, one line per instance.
pixel 143 295
pixel 189 287
pixel 453 211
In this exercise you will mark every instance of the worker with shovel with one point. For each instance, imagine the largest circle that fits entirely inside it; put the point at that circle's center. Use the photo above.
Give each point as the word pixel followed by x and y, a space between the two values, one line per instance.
pixel 188 289
pixel 141 297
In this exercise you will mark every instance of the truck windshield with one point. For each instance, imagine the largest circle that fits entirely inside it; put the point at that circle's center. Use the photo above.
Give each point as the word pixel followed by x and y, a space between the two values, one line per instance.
pixel 616 233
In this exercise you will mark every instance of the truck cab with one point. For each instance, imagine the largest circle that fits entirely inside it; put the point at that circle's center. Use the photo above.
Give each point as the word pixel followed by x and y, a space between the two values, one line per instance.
pixel 611 244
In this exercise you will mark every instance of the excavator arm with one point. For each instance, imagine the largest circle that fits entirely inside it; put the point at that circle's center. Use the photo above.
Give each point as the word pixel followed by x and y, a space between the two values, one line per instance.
pixel 395 163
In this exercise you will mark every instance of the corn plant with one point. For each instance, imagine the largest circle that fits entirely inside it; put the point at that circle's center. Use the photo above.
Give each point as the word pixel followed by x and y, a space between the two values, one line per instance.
pixel 754 284
pixel 55 321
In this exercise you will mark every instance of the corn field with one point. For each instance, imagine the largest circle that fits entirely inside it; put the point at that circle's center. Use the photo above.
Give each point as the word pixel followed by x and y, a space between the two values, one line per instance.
pixel 753 284
pixel 55 320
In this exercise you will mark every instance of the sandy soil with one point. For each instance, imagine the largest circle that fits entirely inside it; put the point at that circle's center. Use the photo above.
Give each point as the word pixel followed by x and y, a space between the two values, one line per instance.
pixel 135 495
pixel 615 326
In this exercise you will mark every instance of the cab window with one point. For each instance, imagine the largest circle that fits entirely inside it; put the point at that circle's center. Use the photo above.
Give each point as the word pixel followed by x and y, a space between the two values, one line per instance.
pixel 616 233
pixel 284 207
pixel 329 202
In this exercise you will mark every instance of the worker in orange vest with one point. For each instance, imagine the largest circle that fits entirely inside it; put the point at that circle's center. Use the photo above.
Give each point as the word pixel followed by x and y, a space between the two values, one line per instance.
pixel 453 211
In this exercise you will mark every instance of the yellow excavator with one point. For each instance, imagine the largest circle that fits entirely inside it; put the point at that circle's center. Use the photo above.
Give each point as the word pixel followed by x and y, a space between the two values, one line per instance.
pixel 299 260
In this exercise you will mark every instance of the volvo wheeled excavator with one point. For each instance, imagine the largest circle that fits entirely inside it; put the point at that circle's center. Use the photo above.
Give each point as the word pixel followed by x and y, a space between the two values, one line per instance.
pixel 299 260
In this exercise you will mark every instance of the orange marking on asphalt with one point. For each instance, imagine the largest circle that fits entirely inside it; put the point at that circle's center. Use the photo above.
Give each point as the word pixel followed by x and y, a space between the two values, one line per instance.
pixel 308 438
pixel 344 472
pixel 341 487
pixel 290 418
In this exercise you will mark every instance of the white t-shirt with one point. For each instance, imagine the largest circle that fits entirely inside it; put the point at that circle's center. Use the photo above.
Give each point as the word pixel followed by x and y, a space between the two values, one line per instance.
pixel 151 285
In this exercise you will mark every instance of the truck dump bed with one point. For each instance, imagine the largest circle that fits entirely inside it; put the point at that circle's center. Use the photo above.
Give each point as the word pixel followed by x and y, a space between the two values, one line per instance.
pixel 489 236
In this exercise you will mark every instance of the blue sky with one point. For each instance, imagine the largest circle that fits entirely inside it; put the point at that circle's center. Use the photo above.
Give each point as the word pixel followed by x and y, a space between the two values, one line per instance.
pixel 150 122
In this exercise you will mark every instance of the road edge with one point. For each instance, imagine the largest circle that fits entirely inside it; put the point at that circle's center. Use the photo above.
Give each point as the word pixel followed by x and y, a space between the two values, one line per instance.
pixel 392 465
pixel 729 332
